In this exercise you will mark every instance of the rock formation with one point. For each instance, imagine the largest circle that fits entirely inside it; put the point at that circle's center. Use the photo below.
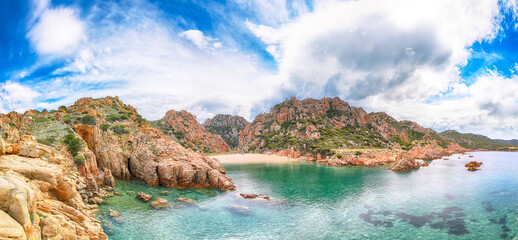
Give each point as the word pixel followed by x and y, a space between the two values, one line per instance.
pixel 227 126
pixel 323 131
pixel 54 166
pixel 186 130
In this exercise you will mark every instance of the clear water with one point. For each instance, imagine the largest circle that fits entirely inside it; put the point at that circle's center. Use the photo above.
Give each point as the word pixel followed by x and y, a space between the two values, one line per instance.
pixel 442 201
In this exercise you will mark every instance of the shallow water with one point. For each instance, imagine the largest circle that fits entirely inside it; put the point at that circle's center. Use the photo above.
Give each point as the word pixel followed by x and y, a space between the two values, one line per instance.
pixel 442 201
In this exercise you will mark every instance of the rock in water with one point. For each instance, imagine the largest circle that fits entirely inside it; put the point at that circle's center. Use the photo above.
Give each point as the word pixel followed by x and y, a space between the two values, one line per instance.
pixel 404 161
pixel 109 180
pixel 144 197
pixel 160 203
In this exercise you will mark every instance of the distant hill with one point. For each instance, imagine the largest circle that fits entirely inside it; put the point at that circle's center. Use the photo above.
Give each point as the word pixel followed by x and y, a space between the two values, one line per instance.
pixel 473 141
pixel 513 142
pixel 183 127
pixel 227 126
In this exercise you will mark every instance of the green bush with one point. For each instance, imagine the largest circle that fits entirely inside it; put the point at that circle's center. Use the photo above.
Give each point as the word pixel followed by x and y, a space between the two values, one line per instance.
pixel 105 126
pixel 73 143
pixel 67 120
pixel 339 156
pixel 62 107
pixel 124 117
pixel 84 112
pixel 358 153
pixel 79 160
pixel 112 118
pixel 49 141
pixel 119 129
pixel 88 120
pixel 11 124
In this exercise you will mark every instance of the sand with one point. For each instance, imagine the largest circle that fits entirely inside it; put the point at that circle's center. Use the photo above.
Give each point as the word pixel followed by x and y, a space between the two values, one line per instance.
pixel 251 158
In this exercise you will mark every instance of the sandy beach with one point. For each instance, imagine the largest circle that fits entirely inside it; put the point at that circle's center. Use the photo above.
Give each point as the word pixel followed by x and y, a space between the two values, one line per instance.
pixel 251 158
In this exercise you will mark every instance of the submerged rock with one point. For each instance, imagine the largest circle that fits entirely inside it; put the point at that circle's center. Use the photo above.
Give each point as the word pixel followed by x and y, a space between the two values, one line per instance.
pixel 165 193
pixel 186 202
pixel 255 196
pixel 239 210
pixel 117 216
pixel 160 203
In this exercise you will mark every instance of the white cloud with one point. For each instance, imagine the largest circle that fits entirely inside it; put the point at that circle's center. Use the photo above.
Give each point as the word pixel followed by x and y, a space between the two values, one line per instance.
pixel 393 57
pixel 149 65
pixel 56 31
pixel 16 97
pixel 199 39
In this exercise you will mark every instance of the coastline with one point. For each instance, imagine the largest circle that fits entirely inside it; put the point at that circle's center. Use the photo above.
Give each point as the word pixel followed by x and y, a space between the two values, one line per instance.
pixel 252 158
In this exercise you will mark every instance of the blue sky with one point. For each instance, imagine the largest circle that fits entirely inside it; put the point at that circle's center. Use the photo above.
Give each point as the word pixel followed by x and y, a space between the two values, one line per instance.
pixel 443 64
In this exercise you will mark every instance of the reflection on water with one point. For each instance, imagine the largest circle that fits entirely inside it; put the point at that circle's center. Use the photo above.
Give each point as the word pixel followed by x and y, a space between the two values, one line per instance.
pixel 442 201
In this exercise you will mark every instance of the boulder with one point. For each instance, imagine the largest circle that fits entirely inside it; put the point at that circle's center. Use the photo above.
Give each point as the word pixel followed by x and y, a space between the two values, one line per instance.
pixel 160 203
pixel 10 228
pixel 109 180
pixel 144 197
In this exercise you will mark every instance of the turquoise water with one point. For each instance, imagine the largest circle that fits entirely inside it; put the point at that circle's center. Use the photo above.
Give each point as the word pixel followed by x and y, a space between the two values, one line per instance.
pixel 442 201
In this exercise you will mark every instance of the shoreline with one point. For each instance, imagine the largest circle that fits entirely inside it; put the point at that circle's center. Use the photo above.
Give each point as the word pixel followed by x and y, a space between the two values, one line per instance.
pixel 251 158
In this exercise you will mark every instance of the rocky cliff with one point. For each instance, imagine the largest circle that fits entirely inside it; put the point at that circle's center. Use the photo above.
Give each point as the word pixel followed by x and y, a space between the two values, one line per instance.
pixel 328 128
pixel 55 166
pixel 227 126
pixel 183 127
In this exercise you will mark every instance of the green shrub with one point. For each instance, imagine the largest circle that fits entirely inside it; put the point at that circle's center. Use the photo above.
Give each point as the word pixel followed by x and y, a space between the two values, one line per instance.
pixel 88 120
pixel 112 118
pixel 358 153
pixel 339 156
pixel 105 126
pixel 11 124
pixel 62 107
pixel 79 160
pixel 49 141
pixel 73 143
pixel 119 129
pixel 84 112
pixel 67 120
pixel 124 117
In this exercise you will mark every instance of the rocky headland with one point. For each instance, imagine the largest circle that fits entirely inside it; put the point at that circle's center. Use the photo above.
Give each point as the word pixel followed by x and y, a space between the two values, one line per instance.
pixel 56 166
pixel 331 132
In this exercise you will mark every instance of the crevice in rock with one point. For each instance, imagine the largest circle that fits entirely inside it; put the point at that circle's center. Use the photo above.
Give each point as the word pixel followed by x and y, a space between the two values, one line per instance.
pixel 129 167
pixel 87 134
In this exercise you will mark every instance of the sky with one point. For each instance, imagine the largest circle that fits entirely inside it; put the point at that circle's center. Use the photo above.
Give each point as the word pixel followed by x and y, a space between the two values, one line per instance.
pixel 443 64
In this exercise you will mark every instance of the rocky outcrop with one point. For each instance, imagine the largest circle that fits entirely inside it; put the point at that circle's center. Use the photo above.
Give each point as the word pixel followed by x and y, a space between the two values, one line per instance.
pixel 227 126
pixel 43 201
pixel 407 160
pixel 185 129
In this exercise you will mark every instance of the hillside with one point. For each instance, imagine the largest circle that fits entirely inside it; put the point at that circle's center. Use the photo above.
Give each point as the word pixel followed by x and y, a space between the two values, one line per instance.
pixel 323 126
pixel 473 141
pixel 183 127
pixel 513 142
pixel 227 126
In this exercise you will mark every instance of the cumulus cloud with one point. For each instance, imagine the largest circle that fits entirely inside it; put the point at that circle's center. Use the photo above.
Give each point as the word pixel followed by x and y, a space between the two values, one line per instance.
pixel 56 31
pixel 402 58
pixel 16 97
